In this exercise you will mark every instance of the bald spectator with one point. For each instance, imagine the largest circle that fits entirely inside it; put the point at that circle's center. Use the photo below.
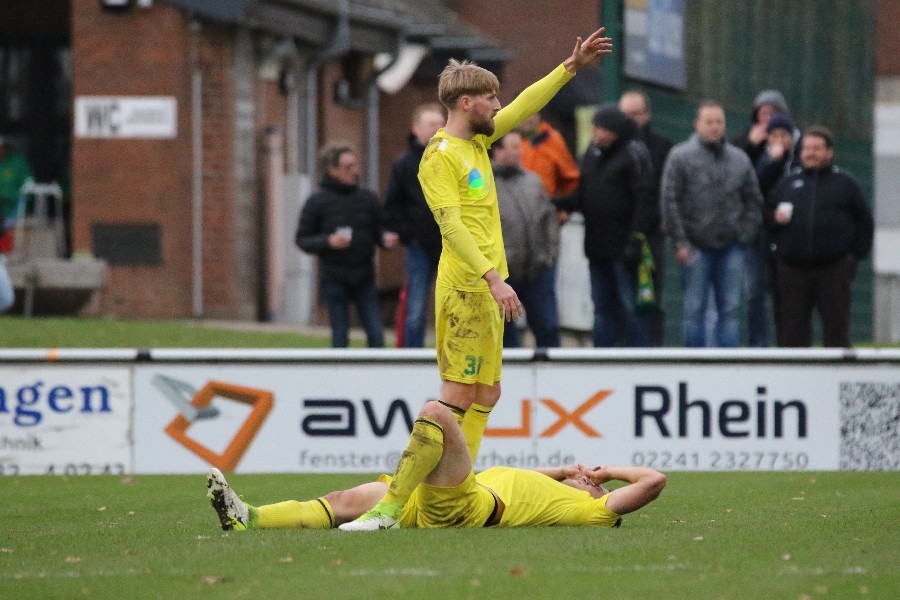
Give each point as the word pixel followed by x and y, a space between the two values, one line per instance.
pixel 637 106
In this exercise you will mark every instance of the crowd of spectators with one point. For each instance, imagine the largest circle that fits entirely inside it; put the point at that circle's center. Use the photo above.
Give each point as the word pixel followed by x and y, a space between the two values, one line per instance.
pixel 764 225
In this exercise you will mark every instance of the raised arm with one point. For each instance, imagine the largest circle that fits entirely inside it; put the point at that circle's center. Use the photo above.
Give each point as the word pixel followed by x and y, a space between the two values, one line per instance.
pixel 645 486
pixel 535 97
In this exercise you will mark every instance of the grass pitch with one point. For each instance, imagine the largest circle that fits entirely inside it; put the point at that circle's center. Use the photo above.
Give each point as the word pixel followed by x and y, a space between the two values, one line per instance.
pixel 711 535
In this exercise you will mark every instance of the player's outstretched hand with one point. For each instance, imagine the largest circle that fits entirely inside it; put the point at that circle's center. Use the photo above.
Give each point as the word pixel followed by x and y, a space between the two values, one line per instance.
pixel 588 51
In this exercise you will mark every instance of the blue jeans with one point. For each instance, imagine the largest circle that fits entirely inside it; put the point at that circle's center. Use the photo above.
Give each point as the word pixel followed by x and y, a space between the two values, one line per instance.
pixel 613 290
pixel 7 293
pixel 338 297
pixel 538 297
pixel 723 270
pixel 757 286
pixel 420 271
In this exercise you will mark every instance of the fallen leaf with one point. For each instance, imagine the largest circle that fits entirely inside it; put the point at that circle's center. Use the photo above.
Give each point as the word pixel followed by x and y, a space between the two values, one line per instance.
pixel 101 509
pixel 5 550
pixel 516 572
pixel 338 561
pixel 130 512
pixel 699 538
pixel 728 510
pixel 212 579
pixel 286 559
pixel 786 556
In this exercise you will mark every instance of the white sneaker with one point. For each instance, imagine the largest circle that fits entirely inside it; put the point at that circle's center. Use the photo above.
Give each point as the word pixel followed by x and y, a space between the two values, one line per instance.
pixel 382 516
pixel 233 514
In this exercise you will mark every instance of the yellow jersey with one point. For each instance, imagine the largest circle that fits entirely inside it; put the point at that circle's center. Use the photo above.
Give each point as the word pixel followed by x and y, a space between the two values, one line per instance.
pixel 534 500
pixel 456 173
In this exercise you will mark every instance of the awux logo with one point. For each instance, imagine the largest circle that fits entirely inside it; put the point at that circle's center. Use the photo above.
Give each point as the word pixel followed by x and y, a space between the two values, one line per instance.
pixel 194 405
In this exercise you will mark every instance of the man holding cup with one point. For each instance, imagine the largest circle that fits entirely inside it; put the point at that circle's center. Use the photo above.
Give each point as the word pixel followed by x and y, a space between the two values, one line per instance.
pixel 822 227
pixel 342 223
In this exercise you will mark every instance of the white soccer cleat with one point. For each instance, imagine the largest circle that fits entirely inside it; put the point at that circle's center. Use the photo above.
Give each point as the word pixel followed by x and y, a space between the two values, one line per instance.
pixel 382 516
pixel 233 514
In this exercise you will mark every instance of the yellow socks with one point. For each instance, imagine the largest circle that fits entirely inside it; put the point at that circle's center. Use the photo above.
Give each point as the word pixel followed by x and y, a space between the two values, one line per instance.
pixel 313 514
pixel 426 445
pixel 473 426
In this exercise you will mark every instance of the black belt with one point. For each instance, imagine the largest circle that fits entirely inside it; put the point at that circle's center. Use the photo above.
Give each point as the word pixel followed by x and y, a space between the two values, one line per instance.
pixel 497 513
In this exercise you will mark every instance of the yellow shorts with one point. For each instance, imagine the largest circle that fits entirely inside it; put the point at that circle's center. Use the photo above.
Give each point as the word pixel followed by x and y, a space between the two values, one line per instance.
pixel 467 505
pixel 469 332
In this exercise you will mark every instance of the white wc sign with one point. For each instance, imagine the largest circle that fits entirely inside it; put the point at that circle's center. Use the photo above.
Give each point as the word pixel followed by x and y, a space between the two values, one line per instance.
pixel 126 117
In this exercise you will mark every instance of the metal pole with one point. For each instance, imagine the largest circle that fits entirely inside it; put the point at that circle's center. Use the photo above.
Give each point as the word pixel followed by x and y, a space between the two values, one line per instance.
pixel 197 192
pixel 610 78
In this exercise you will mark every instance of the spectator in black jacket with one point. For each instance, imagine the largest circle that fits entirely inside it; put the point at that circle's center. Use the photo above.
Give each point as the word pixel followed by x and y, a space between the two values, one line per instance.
pixel 342 223
pixel 822 227
pixel 409 216
pixel 636 105
pixel 616 196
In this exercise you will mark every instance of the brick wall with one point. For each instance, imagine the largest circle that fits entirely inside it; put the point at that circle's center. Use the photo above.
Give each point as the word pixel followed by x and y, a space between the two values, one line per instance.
pixel 887 47
pixel 122 181
pixel 541 34
pixel 118 181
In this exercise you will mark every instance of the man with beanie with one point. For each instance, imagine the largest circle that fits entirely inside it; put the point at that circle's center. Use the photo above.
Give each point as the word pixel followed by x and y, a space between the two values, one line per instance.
pixel 617 198
pixel 753 140
pixel 822 227
pixel 711 208
pixel 775 162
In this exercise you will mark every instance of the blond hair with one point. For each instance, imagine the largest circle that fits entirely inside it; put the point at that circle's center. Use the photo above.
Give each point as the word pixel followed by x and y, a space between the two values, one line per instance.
pixel 464 78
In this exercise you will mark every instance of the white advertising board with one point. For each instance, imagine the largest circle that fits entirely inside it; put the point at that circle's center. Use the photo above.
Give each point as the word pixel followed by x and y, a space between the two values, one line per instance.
pixel 126 117
pixel 355 417
pixel 65 420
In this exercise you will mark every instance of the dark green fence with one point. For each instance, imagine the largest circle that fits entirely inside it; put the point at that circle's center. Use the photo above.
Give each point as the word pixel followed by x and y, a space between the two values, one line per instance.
pixel 819 54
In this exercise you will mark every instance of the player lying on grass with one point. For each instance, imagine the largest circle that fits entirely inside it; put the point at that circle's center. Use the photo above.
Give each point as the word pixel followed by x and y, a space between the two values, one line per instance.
pixel 453 496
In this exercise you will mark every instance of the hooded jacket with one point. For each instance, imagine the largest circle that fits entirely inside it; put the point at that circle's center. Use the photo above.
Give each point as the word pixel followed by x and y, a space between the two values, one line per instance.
pixel 405 209
pixel 772 98
pixel 830 220
pixel 335 205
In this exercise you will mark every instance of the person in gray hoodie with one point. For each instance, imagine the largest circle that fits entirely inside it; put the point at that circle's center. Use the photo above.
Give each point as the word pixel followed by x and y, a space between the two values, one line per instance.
pixel 531 239
pixel 711 207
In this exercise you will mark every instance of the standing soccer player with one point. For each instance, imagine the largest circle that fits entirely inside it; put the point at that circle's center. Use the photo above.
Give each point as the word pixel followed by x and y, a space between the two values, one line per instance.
pixel 471 297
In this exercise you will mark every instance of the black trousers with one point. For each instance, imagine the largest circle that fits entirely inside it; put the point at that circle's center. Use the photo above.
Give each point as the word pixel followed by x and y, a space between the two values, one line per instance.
pixel 826 289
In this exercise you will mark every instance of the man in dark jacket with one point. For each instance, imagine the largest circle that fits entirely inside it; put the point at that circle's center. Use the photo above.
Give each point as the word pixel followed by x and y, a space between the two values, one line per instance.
pixel 408 215
pixel 342 223
pixel 636 105
pixel 616 196
pixel 822 227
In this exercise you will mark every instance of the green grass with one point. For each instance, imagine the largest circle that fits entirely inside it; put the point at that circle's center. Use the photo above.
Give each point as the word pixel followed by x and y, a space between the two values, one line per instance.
pixel 711 535
pixel 17 332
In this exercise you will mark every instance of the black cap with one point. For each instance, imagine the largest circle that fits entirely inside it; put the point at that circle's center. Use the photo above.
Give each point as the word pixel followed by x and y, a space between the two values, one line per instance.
pixel 611 118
